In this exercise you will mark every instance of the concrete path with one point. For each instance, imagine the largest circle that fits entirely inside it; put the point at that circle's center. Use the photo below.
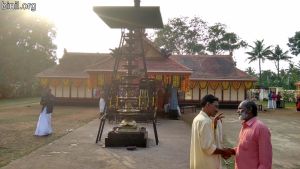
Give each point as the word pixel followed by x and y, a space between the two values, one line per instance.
pixel 78 150
pixel 285 135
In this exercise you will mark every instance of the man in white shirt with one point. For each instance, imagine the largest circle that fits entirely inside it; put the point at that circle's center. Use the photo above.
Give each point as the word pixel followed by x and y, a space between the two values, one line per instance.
pixel 206 151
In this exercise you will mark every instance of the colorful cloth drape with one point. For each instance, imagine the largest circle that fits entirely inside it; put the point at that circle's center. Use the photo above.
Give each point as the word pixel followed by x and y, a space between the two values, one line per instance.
pixel 214 84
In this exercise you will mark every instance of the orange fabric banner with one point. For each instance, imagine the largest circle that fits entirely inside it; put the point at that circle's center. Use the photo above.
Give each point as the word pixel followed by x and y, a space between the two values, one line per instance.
pixel 55 82
pixel 92 81
pixel 77 82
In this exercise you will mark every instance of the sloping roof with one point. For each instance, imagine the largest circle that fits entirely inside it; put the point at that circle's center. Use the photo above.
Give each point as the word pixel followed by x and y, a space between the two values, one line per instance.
pixel 161 65
pixel 212 67
pixel 74 65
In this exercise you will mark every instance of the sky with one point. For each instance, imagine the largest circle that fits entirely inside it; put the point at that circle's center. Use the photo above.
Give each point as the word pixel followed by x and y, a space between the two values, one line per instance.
pixel 79 29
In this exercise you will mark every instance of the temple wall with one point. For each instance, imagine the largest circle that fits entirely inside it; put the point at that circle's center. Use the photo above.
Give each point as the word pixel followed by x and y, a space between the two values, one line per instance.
pixel 196 93
pixel 64 91
pixel 228 95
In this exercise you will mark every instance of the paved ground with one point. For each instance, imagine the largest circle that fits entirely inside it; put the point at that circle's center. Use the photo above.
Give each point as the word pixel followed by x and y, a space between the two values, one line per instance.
pixel 78 150
pixel 285 135
pixel 284 125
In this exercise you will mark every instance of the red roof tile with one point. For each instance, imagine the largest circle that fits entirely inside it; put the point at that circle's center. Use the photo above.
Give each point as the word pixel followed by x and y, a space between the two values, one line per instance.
pixel 73 65
pixel 212 67
pixel 161 65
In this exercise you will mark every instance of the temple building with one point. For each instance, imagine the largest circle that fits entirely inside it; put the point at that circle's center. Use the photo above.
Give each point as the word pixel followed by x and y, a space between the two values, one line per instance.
pixel 79 77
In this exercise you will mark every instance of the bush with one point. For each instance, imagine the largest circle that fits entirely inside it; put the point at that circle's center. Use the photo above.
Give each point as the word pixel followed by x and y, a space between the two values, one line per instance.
pixel 289 95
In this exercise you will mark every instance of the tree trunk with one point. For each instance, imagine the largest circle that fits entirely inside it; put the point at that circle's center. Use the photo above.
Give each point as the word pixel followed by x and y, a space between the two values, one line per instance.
pixel 278 70
pixel 259 64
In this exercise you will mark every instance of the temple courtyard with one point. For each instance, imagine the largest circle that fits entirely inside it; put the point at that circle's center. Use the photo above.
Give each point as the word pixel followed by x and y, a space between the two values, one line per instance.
pixel 74 148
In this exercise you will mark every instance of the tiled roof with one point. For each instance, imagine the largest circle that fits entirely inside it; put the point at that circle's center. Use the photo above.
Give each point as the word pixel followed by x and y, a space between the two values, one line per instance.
pixel 73 65
pixel 212 67
pixel 166 65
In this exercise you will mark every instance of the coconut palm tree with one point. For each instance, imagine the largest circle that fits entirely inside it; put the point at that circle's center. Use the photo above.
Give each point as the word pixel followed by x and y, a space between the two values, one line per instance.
pixel 278 55
pixel 259 52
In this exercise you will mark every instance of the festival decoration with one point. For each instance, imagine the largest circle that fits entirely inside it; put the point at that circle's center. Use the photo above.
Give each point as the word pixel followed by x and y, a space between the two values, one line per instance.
pixel 248 85
pixel 236 85
pixel 44 82
pixel 225 85
pixel 214 84
pixel 202 84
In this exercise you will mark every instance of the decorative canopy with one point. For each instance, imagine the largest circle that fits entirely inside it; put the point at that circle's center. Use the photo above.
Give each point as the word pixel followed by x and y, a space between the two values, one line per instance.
pixel 130 17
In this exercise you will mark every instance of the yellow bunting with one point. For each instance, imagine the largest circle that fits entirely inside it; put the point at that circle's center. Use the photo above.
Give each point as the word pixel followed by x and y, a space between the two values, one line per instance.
pixel 44 82
pixel 248 85
pixel 214 85
pixel 100 79
pixel 158 77
pixel 176 81
pixel 236 85
pixel 225 85
pixel 193 84
pixel 66 82
pixel 203 84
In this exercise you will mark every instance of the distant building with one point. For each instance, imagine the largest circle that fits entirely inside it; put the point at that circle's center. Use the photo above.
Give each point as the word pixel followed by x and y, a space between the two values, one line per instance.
pixel 79 76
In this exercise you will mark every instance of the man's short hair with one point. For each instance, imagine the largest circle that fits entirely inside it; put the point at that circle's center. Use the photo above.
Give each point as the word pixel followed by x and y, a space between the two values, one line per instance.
pixel 251 106
pixel 208 99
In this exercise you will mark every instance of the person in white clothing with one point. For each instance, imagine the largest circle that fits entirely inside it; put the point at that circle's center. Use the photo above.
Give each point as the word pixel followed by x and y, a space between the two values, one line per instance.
pixel 101 104
pixel 44 127
pixel 206 149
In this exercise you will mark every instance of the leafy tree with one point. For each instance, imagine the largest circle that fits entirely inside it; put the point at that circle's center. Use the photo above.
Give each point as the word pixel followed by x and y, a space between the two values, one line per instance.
pixel 220 40
pixel 194 36
pixel 183 36
pixel 294 44
pixel 278 55
pixel 291 77
pixel 216 33
pixel 250 71
pixel 298 65
pixel 26 48
pixel 268 79
pixel 259 52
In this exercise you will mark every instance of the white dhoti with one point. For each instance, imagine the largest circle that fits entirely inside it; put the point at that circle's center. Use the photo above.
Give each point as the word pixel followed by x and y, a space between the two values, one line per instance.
pixel 44 126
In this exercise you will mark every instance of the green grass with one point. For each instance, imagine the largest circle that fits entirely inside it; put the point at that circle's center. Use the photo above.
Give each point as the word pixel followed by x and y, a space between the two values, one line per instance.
pixel 17 102
pixel 287 104
pixel 18 118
